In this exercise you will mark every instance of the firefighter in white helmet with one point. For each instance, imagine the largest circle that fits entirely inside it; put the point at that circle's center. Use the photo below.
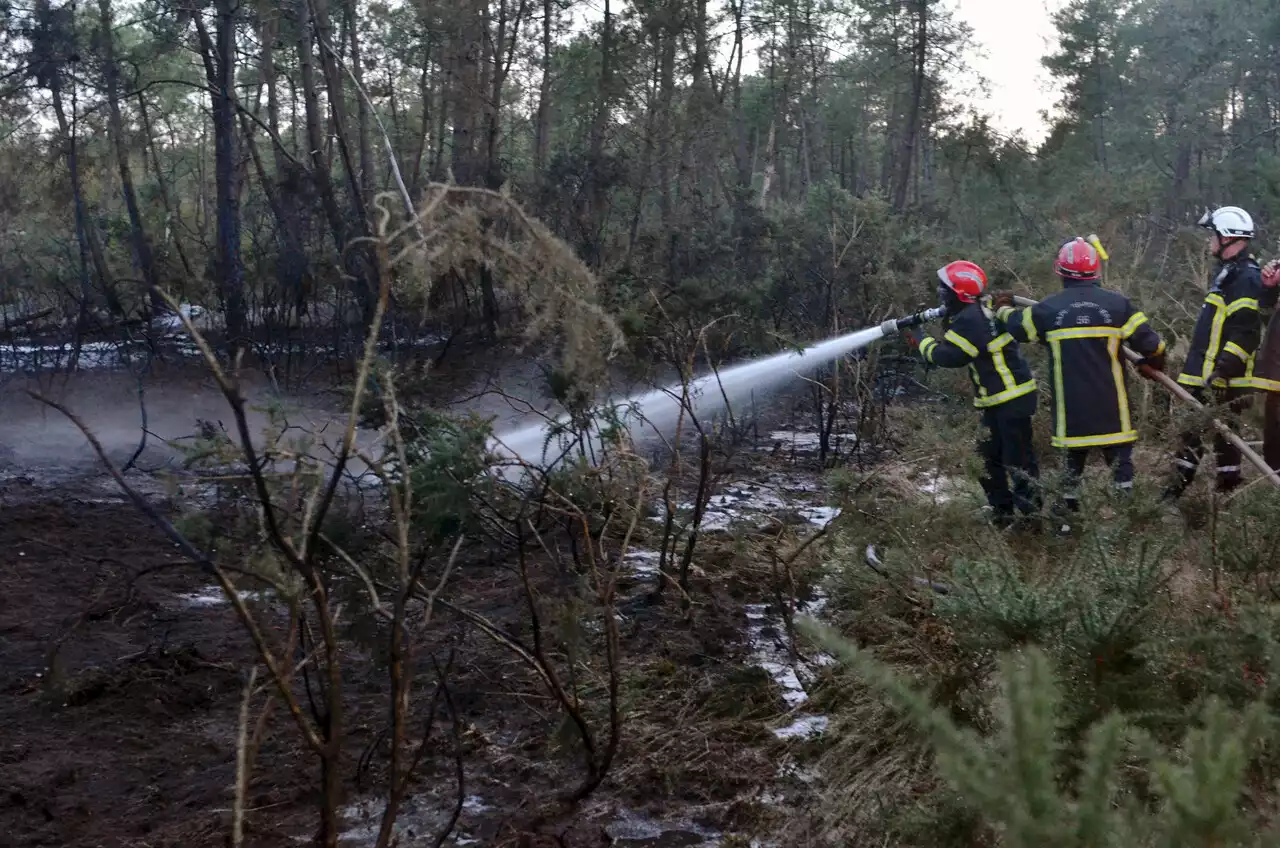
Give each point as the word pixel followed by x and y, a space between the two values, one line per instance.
pixel 1220 363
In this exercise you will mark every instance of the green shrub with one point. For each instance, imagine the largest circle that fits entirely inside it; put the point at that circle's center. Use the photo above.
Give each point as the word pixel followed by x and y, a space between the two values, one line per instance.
pixel 1015 779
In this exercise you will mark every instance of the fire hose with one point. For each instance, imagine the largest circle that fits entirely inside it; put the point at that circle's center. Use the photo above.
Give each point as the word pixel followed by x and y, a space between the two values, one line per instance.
pixel 915 319
pixel 1186 397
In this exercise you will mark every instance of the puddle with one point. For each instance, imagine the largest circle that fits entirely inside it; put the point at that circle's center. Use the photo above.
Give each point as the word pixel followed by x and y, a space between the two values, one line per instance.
pixel 820 516
pixel 93 355
pixel 474 804
pixel 803 727
pixel 633 829
pixel 419 821
pixel 766 636
pixel 806 442
pixel 642 563
pixel 757 505
pixel 202 318
pixel 939 487
pixel 807 483
pixel 213 596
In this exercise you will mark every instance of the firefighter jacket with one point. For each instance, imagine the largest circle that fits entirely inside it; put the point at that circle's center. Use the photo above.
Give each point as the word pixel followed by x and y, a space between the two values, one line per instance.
pixel 1266 368
pixel 1084 326
pixel 996 367
pixel 1226 334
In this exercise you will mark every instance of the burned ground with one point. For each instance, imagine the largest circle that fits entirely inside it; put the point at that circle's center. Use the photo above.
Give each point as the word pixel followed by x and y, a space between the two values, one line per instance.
pixel 124 671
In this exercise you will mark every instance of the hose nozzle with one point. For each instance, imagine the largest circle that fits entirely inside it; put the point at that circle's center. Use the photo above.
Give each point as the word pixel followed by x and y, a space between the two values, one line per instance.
pixel 915 319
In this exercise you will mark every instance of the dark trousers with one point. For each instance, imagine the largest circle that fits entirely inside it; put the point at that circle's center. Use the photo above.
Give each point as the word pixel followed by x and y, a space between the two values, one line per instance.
pixel 1011 468
pixel 1119 457
pixel 1228 456
pixel 1271 430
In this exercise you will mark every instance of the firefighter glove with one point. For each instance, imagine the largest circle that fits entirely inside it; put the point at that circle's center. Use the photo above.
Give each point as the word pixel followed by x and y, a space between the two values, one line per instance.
pixel 912 338
pixel 1002 299
pixel 1151 366
pixel 1219 392
pixel 1271 274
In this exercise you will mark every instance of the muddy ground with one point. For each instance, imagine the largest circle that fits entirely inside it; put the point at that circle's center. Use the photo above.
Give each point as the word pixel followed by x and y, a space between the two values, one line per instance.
pixel 122 672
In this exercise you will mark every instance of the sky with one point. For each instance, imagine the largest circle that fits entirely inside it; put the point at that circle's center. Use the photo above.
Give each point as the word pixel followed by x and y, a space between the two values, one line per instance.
pixel 1012 36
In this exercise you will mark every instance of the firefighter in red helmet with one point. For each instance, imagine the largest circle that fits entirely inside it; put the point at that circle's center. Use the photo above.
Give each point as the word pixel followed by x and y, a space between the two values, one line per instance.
pixel 1084 326
pixel 1003 386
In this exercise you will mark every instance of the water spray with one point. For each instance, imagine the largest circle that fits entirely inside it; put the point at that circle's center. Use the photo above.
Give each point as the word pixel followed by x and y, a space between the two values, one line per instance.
pixel 545 444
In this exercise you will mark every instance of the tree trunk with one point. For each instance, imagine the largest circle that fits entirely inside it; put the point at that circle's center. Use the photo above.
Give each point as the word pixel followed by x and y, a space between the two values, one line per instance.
pixel 424 134
pixel 465 98
pixel 86 233
pixel 173 215
pixel 115 125
pixel 83 235
pixel 315 129
pixel 911 132
pixel 282 192
pixel 367 165
pixel 591 213
pixel 505 43
pixel 542 132
pixel 666 102
pixel 360 264
pixel 467 104
pixel 219 60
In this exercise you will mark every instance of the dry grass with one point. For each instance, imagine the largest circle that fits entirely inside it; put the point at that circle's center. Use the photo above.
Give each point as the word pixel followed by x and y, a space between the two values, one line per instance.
pixel 878 781
pixel 461 230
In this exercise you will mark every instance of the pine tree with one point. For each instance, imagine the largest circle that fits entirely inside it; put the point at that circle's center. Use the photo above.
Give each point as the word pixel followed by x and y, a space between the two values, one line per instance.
pixel 1016 779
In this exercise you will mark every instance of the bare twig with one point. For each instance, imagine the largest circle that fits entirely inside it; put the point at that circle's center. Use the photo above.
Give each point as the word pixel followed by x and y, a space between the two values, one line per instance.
pixel 242 762
pixel 459 771
pixel 203 560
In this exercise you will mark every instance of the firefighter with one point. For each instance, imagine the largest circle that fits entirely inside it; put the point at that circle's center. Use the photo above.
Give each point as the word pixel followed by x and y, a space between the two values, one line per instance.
pixel 1084 326
pixel 1266 369
pixel 1219 365
pixel 1003 385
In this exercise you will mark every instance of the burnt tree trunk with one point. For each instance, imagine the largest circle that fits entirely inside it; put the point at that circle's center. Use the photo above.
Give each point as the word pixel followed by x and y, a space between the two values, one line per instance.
pixel 115 125
pixel 219 55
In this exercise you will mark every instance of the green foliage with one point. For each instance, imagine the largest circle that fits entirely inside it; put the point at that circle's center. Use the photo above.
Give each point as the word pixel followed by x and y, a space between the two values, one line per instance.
pixel 1147 645
pixel 1014 779
pixel 447 459
pixel 1249 534
pixel 1001 608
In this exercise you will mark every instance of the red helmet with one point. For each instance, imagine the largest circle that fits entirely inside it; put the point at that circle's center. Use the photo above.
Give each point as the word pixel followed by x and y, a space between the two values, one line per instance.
pixel 965 279
pixel 1077 260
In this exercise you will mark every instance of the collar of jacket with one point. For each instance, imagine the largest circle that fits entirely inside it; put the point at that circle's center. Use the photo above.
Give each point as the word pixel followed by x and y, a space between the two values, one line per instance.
pixel 1225 269
pixel 1069 283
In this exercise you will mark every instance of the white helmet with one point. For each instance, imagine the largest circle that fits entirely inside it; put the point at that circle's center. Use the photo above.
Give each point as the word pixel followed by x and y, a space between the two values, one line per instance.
pixel 1228 222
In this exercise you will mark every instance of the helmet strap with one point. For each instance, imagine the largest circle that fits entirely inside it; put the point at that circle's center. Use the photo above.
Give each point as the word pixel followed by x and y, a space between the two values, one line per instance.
pixel 1225 244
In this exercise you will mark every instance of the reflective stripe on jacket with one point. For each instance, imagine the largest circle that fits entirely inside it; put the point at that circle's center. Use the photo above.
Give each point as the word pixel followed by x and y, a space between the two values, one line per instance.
pixel 1266 369
pixel 1084 326
pixel 1226 334
pixel 996 368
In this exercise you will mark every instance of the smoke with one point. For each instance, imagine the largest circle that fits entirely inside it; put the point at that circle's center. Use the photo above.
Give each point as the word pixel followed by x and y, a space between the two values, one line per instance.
pixel 37 439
